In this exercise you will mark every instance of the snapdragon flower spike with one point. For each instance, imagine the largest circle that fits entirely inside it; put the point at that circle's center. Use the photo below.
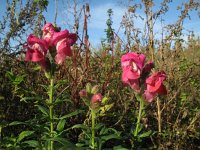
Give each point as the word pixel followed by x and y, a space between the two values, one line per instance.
pixel 132 65
pixel 63 41
pixel 155 86
pixel 48 31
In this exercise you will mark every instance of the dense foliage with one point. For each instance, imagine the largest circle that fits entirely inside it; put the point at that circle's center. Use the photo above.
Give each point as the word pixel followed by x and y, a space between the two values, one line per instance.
pixel 92 107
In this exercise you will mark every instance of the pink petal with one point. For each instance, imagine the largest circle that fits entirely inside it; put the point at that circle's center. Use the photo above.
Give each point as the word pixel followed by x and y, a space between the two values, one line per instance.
pixel 148 96
pixel 48 26
pixel 60 58
pixel 37 56
pixel 125 64
pixel 33 40
pixel 139 59
pixel 72 38
pixel 33 55
pixel 28 56
pixel 59 36
pixel 162 90
pixel 130 74
pixel 154 87
pixel 96 98
pixel 134 84
pixel 64 47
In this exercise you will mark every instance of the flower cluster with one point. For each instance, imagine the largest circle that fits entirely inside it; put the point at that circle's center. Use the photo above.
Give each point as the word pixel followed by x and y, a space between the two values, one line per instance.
pixel 91 96
pixel 135 72
pixel 52 40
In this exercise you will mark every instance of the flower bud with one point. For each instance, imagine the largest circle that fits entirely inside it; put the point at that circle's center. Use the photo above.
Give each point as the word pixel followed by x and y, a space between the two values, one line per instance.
pixel 96 98
pixel 96 101
pixel 88 88
pixel 83 93
pixel 95 89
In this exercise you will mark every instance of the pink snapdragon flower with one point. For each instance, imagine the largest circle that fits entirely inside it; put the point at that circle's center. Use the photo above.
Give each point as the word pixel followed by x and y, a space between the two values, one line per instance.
pixel 48 31
pixel 155 85
pixel 132 65
pixel 37 49
pixel 63 41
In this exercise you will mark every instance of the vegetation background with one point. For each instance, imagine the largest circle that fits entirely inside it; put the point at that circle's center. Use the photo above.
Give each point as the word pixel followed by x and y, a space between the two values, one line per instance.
pixel 20 82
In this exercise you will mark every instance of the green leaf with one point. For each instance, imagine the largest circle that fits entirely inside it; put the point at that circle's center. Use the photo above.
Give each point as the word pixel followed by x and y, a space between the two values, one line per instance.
pixel 119 148
pixel 2 98
pixel 81 126
pixel 24 134
pixel 64 142
pixel 105 108
pixel 18 79
pixel 16 123
pixel 88 87
pixel 146 134
pixel 104 100
pixel 33 143
pixel 72 114
pixel 111 136
pixel 43 110
pixel 29 98
pixel 10 75
pixel 69 147
pixel 61 125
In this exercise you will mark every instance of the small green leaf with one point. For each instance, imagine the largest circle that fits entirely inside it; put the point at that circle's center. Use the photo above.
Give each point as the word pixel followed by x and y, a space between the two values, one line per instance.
pixel 88 87
pixel 81 126
pixel 104 100
pixel 146 134
pixel 105 108
pixel 16 123
pixel 119 148
pixel 24 134
pixel 61 125
pixel 43 110
pixel 2 98
pixel 29 98
pixel 72 114
pixel 111 136
pixel 33 143
pixel 64 142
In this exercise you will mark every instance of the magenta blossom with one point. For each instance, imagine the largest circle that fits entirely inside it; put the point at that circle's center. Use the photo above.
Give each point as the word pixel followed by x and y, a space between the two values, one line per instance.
pixel 132 65
pixel 37 49
pixel 155 85
pixel 48 31
pixel 63 41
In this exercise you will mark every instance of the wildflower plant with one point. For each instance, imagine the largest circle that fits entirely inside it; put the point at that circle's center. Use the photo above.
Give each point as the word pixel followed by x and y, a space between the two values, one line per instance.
pixel 98 105
pixel 136 74
pixel 49 51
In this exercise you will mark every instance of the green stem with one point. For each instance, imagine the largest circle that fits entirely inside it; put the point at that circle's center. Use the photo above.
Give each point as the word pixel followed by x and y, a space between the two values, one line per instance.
pixel 93 128
pixel 51 111
pixel 139 115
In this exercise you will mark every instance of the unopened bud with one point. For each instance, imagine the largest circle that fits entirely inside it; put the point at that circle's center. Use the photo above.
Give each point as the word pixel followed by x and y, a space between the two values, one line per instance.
pixel 96 98
pixel 88 88
pixel 83 93
pixel 95 89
